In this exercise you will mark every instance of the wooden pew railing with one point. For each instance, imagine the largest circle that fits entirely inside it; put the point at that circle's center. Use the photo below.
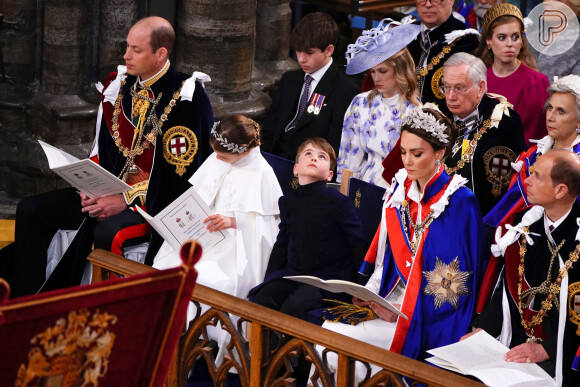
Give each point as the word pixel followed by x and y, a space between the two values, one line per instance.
pixel 248 350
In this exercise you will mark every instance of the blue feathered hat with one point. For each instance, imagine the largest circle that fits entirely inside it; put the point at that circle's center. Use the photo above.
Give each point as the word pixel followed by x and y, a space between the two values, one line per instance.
pixel 379 44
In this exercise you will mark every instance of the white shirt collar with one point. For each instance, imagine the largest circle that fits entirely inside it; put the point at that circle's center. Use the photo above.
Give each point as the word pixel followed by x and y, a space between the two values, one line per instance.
pixel 558 222
pixel 473 113
pixel 318 74
pixel 425 28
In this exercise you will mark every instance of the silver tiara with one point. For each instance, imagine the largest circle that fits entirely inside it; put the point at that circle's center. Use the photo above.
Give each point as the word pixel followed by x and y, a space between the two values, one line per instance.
pixel 418 119
pixel 230 146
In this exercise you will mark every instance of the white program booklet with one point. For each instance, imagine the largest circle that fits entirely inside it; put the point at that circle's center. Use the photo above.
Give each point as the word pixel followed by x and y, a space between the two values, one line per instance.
pixel 183 220
pixel 340 286
pixel 482 356
pixel 85 175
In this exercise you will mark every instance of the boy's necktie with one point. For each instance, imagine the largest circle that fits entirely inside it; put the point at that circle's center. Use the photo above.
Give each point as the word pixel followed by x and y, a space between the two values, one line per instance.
pixel 303 101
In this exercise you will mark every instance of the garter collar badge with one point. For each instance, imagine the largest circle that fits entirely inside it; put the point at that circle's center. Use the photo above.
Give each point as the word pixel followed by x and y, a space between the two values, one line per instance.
pixel 446 283
pixel 179 147
pixel 498 169
pixel 574 304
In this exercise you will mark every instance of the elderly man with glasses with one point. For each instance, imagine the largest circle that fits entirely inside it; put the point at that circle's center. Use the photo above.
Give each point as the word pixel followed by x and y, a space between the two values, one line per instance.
pixel 442 35
pixel 490 132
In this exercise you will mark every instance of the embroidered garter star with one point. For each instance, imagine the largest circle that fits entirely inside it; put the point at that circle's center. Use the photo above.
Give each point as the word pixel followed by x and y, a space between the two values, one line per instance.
pixel 446 283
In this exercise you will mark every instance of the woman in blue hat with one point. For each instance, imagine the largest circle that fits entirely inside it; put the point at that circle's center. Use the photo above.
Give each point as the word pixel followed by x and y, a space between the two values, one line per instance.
pixel 372 121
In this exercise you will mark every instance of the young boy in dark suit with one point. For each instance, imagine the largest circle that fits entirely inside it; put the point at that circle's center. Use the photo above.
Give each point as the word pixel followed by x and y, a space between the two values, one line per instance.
pixel 320 235
pixel 310 102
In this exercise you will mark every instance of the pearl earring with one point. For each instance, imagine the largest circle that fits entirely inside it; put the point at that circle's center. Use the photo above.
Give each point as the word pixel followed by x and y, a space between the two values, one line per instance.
pixel 437 162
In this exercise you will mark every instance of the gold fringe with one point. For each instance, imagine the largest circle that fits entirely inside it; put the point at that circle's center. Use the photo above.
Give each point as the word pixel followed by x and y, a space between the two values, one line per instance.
pixel 348 313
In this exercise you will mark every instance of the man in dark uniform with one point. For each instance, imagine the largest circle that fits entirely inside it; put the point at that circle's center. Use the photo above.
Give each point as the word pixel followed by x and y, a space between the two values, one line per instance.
pixel 540 281
pixel 490 131
pixel 310 102
pixel 441 36
pixel 152 132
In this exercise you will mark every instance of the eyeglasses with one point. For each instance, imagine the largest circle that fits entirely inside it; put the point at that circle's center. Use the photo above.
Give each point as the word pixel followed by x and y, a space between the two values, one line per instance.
pixel 433 2
pixel 459 90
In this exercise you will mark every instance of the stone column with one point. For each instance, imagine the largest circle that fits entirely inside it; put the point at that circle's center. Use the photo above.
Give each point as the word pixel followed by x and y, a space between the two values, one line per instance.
pixel 217 38
pixel 273 27
pixel 18 39
pixel 64 46
pixel 115 20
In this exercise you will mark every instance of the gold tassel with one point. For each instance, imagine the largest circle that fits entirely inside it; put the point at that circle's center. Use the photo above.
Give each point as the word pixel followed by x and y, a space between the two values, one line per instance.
pixel 348 313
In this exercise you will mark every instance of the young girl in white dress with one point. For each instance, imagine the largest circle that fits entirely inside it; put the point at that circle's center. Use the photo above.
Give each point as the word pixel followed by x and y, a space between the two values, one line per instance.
pixel 239 185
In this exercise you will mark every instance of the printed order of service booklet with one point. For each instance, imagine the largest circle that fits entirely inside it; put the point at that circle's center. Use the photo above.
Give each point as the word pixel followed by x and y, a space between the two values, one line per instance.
pixel 340 286
pixel 85 175
pixel 482 356
pixel 183 220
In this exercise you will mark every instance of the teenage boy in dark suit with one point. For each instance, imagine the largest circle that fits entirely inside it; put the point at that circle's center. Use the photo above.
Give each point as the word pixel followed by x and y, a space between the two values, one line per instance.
pixel 310 102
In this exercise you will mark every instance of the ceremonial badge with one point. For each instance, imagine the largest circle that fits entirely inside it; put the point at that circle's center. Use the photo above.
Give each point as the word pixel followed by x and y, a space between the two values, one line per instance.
pixel 497 162
pixel 446 283
pixel 436 84
pixel 179 147
pixel 574 304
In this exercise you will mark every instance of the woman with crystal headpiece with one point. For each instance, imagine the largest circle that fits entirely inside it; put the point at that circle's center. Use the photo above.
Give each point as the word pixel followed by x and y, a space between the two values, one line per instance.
pixel 426 255
pixel 563 125
pixel 372 121
pixel 511 68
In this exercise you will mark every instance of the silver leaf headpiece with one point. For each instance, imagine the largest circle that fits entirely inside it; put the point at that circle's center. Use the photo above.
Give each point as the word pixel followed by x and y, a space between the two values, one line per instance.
pixel 230 146
pixel 418 119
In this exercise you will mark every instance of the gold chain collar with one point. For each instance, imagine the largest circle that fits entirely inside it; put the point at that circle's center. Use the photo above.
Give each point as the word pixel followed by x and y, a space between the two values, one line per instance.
pixel 436 59
pixel 466 157
pixel 139 145
pixel 553 290
pixel 418 228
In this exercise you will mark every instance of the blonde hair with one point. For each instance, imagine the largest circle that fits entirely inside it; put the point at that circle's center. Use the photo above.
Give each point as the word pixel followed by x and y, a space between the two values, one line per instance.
pixel 404 66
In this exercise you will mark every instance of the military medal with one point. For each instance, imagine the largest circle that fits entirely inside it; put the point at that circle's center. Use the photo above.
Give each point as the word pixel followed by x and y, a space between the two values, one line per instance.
pixel 312 103
pixel 316 103
pixel 319 103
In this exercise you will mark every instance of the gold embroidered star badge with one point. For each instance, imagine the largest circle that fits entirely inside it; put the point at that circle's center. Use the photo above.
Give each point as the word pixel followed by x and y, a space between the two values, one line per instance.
pixel 446 283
